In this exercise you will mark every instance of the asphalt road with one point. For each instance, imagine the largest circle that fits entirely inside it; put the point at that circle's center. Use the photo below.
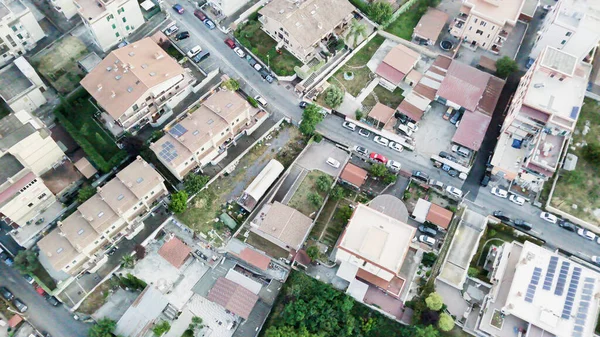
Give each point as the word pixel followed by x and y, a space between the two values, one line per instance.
pixel 55 320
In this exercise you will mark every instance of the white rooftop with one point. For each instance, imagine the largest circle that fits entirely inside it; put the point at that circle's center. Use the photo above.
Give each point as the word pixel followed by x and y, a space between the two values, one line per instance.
pixel 554 293
pixel 377 238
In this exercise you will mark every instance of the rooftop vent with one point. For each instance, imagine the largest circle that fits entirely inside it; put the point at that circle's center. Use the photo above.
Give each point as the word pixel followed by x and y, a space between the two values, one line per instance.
pixel 281 11
pixel 152 74
pixel 144 66
pixel 210 121
pixel 538 85
pixel 158 55
pixel 100 214
pixel 99 87
pixel 118 77
pixel 108 68
pixel 79 232
pixel 131 53
pixel 113 94
pixel 320 25
pixel 129 89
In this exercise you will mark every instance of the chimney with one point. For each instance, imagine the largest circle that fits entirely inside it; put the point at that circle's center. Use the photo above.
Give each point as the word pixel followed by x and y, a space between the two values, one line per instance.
pixel 99 87
pixel 113 94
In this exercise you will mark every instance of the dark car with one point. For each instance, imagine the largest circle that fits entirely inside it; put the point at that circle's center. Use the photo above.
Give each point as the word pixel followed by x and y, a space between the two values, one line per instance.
pixel 501 216
pixel 448 156
pixel 4 257
pixel 201 255
pixel 200 15
pixel 52 300
pixel 453 173
pixel 567 225
pixel 182 35
pixel 485 180
pixel 401 117
pixel 178 8
pixel 203 55
pixel 22 307
pixel 28 278
pixel 421 176
pixel 529 62
pixel 251 60
pixel 303 104
pixel 362 150
pixel 523 224
pixel 427 230
pixel 455 117
pixel 6 294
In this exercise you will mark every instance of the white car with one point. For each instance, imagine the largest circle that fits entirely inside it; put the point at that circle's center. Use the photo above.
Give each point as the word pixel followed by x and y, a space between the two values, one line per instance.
pixel 427 240
pixel 413 126
pixel 517 199
pixel 333 162
pixel 171 30
pixel 364 133
pixel 381 141
pixel 497 191
pixel 551 218
pixel 260 100
pixel 454 191
pixel 393 165
pixel 586 234
pixel 596 259
pixel 395 146
pixel 349 126
pixel 194 51
pixel 239 52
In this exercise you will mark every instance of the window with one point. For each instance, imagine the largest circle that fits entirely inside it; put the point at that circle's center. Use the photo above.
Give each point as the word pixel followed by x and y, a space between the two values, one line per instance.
pixel 135 107
pixel 483 23
pixel 480 32
pixel 568 34
pixel 14 28
pixel 146 198
pixel 127 27
pixel 30 204
pixel 113 227
pixel 563 42
pixel 151 192
pixel 114 26
pixel 475 20
pixel 20 36
pixel 96 242
pixel 135 208
pixel 117 34
pixel 41 196
pixel 124 19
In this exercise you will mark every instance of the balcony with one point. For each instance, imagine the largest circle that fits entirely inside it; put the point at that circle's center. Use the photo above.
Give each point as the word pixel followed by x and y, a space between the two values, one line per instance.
pixel 503 34
pixel 495 49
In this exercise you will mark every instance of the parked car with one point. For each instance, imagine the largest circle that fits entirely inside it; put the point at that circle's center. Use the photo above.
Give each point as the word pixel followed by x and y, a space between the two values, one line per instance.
pixel 586 234
pixel 517 199
pixel 231 44
pixel 28 278
pixel 239 52
pixel 260 100
pixel 203 55
pixel 427 230
pixel 401 117
pixel 6 294
pixel 22 307
pixel 209 24
pixel 182 36
pixel 303 105
pixel 394 165
pixel 257 66
pixel 567 226
pixel 456 115
pixel 52 300
pixel 462 176
pixel 4 257
pixel 529 62
pixel 551 218
pixel 547 7
pixel 332 162
pixel 523 224
pixel 420 176
pixel 405 130
pixel 349 126
pixel 427 240
pixel 365 133
pixel 485 180
pixel 497 191
pixel 200 15
pixel 454 191
pixel 412 126
pixel 194 51
pixel 438 185
pixel 500 215
pixel 396 147
pixel 361 150
pixel 178 8
pixel 381 141
pixel 378 158
pixel 448 156
pixel 453 173
pixel 171 30
pixel 595 259
pixel 461 151
pixel 448 113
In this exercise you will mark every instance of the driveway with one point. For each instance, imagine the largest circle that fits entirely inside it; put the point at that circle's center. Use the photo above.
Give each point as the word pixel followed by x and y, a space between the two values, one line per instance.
pixel 315 158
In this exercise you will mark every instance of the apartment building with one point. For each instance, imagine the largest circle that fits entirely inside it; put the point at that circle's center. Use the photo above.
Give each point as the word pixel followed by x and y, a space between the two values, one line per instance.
pixel 541 118
pixel 227 7
pixel 26 152
pixel 80 241
pixel 65 7
pixel 19 30
pixel 137 84
pixel 21 87
pixel 204 135
pixel 486 24
pixel 303 27
pixel 572 26
pixel 110 21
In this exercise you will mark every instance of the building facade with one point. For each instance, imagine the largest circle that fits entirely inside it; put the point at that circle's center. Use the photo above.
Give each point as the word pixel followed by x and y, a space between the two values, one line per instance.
pixel 21 87
pixel 19 30
pixel 65 7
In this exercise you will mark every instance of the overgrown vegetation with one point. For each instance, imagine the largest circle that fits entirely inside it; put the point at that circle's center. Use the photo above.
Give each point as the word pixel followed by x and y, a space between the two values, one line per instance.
pixel 132 282
pixel 311 116
pixel 193 183
pixel 103 328
pixel 406 22
pixel 506 66
pixel 85 193
pixel 178 202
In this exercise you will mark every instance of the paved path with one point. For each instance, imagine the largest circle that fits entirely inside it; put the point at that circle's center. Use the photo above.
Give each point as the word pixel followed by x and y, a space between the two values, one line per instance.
pixel 367 90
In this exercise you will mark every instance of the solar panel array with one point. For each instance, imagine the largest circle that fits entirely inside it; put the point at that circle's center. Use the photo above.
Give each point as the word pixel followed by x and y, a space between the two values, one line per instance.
pixel 535 279
pixel 584 305
pixel 177 130
pixel 168 152
pixel 568 306
pixel 562 278
pixel 550 273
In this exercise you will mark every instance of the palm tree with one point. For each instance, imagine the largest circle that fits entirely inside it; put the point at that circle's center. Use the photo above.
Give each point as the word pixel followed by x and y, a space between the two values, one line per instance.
pixel 127 261
pixel 356 30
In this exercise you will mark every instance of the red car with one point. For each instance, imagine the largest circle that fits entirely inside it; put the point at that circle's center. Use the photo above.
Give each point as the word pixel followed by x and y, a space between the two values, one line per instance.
pixel 378 158
pixel 230 43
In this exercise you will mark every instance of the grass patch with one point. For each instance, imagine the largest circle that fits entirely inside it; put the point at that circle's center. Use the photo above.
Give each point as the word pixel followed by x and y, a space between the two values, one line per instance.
pixel 385 97
pixel 406 22
pixel 336 225
pixel 580 187
pixel 358 66
pixel 263 46
pixel 308 186
pixel 266 246
pixel 322 220
pixel 96 299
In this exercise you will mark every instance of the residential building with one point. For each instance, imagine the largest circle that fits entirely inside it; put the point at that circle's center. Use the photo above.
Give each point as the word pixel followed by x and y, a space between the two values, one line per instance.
pixel 535 288
pixel 571 26
pixel 353 176
pixel 143 313
pixel 426 211
pixel 79 242
pixel 282 225
pixel 205 134
pixel 486 24
pixel 398 62
pixel 65 7
pixel 21 87
pixel 233 296
pixel 541 118
pixel 430 26
pixel 226 7
pixel 372 249
pixel 110 21
pixel 19 30
pixel 137 84
pixel 304 27
pixel 26 152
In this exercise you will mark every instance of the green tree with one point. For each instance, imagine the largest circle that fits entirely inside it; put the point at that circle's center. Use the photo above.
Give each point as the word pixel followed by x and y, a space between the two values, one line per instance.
pixel 193 183
pixel 102 328
pixel 127 261
pixel 161 328
pixel 380 11
pixel 428 259
pixel 334 96
pixel 345 213
pixel 473 272
pixel 434 301
pixel 390 178
pixel 178 202
pixel 312 252
pixel 446 323
pixel 428 331
pixel 506 66
pixel 591 152
pixel 324 183
pixel 85 193
pixel 231 85
pixel 357 30
pixel 315 199
pixel 378 170
pixel 337 193
pixel 311 116
pixel 358 114
pixel 26 262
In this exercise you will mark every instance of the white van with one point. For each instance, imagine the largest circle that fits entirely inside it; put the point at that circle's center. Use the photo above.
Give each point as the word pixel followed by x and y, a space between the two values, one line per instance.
pixel 405 130
pixel 260 100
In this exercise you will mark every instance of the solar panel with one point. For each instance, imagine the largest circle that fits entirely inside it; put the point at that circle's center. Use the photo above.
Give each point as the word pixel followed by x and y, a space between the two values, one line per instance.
pixel 177 130
pixel 168 152
pixel 584 305
pixel 562 278
pixel 535 279
pixel 550 273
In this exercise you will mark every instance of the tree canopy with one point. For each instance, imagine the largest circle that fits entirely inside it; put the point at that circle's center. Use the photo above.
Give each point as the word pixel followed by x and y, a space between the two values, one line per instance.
pixel 506 66
pixel 334 96
pixel 85 193
pixel 312 252
pixel 434 301
pixel 102 328
pixel 324 183
pixel 26 261
pixel 380 11
pixel 428 331
pixel 445 323
pixel 178 202
pixel 311 116
pixel 193 183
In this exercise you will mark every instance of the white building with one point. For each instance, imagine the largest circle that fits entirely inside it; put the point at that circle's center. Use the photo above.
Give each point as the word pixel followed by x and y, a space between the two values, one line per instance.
pixel 19 30
pixel 227 7
pixel 110 21
pixel 572 26
pixel 21 87
pixel 66 7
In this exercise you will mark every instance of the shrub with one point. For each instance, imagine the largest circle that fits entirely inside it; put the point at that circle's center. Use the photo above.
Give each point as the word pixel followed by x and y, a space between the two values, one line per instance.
pixel 318 137
pixel 358 114
pixel 252 102
pixel 445 323
pixel 313 252
pixel 178 202
pixel 85 193
pixel 428 259
pixel 380 11
pixel 315 199
pixel 334 96
pixel 345 213
pixel 161 328
pixel 324 183
pixel 378 170
pixel 193 183
pixel 434 301
pixel 337 193
pixel 473 272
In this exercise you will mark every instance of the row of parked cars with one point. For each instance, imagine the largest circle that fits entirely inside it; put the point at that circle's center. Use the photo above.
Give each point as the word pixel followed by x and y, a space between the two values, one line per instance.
pixel 264 73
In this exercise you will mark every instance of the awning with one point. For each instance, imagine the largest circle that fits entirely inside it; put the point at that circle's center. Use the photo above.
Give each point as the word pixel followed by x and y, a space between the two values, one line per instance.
pixel 147 5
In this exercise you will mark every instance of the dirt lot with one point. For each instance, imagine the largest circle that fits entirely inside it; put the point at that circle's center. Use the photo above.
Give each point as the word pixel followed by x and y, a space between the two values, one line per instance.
pixel 300 200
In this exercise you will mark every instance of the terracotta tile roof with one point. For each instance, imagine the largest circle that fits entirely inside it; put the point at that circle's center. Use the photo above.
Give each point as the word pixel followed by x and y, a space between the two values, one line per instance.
pixel 472 129
pixel 233 297
pixel 439 216
pixel 442 62
pixel 85 167
pixel 15 320
pixel 487 63
pixel 390 73
pixel 431 24
pixel 381 112
pixel 175 251
pixel 492 92
pixel 283 223
pixel 397 63
pixel 463 85
pixel 410 110
pixel 255 258
pixel 354 175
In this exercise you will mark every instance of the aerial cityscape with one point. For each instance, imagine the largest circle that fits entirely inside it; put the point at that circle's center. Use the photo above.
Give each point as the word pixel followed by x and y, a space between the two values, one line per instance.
pixel 299 168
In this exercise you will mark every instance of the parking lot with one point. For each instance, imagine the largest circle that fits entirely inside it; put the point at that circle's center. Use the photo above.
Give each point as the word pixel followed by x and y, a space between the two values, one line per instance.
pixel 316 156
